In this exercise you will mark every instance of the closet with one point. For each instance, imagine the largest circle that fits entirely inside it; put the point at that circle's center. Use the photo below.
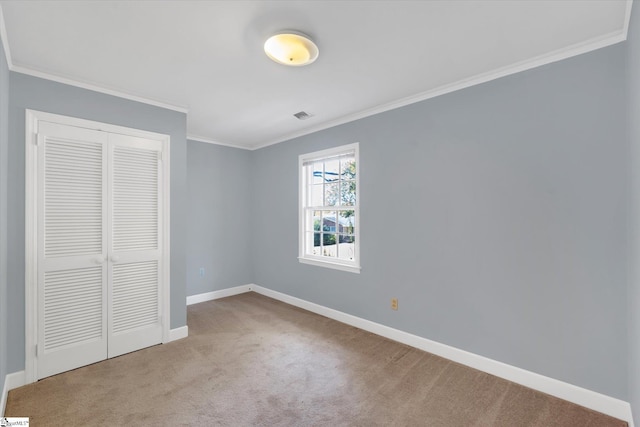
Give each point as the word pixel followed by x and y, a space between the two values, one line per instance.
pixel 99 196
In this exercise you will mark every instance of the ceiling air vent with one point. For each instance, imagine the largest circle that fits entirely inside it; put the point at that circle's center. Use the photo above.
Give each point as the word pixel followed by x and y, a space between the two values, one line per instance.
pixel 302 115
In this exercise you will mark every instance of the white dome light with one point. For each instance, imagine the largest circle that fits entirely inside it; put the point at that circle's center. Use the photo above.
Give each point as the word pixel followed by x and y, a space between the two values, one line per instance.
pixel 291 48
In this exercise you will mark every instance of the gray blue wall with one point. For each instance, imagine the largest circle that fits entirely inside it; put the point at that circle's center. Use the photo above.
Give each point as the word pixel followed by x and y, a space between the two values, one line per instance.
pixel 496 215
pixel 218 217
pixel 633 80
pixel 28 92
pixel 4 142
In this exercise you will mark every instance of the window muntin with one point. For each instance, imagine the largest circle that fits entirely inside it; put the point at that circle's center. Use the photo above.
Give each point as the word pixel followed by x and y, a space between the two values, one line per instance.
pixel 329 208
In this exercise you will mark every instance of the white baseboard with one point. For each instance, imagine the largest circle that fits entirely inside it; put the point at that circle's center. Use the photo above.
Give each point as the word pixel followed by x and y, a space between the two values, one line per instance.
pixel 11 381
pixel 598 402
pixel 178 333
pixel 590 399
pixel 223 293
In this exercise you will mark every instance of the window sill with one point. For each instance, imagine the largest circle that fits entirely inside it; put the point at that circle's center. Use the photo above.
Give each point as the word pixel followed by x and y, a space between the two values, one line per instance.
pixel 328 264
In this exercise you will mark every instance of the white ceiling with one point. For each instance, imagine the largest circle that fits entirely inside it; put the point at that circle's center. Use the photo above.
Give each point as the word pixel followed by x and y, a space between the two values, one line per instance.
pixel 206 56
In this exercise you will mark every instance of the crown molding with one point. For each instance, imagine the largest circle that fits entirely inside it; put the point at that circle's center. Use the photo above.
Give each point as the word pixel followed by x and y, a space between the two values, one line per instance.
pixel 197 138
pixel 96 88
pixel 5 40
pixel 627 18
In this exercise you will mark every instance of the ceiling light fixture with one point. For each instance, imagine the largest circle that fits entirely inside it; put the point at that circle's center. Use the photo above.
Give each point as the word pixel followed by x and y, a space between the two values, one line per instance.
pixel 291 48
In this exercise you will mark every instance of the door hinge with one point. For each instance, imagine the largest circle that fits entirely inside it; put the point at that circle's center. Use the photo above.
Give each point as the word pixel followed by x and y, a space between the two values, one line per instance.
pixel 36 350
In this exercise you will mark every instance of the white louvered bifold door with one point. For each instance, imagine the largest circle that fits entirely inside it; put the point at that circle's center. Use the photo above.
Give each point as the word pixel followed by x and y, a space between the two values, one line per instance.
pixel 135 244
pixel 72 249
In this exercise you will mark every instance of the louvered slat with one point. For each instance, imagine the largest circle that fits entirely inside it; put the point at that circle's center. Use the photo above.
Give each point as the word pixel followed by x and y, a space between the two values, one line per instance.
pixel 72 306
pixel 72 198
pixel 135 295
pixel 135 201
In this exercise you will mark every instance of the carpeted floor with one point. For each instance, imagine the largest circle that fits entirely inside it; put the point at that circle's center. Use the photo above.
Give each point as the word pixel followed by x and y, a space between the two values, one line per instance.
pixel 250 360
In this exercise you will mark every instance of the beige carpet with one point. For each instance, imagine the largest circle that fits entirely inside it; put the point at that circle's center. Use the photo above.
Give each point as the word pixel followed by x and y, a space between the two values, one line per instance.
pixel 250 360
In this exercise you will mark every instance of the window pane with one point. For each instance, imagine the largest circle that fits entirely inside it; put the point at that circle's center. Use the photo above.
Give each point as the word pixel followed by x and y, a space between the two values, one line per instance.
pixel 317 171
pixel 332 194
pixel 329 221
pixel 348 168
pixel 332 171
pixel 316 195
pixel 347 222
pixel 346 238
pixel 329 247
pixel 317 216
pixel 315 249
pixel 347 248
pixel 348 193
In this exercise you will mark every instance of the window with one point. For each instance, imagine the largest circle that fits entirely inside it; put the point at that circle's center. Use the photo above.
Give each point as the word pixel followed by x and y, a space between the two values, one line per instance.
pixel 329 216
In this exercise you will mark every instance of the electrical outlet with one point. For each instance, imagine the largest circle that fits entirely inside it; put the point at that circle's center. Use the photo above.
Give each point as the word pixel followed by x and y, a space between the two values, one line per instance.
pixel 201 271
pixel 394 303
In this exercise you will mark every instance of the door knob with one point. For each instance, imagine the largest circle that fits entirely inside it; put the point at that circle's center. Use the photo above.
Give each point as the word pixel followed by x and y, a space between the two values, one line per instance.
pixel 115 258
pixel 98 260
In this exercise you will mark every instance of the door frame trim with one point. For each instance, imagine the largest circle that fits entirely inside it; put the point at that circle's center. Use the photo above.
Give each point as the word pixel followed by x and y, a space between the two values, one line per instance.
pixel 32 119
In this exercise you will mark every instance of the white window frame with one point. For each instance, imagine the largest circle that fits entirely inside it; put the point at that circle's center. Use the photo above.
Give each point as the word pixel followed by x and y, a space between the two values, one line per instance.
pixel 303 205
